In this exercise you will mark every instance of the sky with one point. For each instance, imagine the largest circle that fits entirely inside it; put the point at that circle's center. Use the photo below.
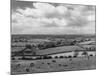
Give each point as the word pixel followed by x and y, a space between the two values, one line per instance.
pixel 51 18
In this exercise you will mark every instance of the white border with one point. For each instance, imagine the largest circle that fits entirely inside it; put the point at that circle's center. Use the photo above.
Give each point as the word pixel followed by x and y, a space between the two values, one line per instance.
pixel 4 37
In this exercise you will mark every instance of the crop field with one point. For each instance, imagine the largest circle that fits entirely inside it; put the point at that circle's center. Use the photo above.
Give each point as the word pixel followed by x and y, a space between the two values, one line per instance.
pixel 51 65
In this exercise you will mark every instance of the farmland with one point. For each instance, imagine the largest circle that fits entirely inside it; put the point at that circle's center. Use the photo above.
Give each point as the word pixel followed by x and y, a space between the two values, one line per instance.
pixel 49 65
pixel 49 53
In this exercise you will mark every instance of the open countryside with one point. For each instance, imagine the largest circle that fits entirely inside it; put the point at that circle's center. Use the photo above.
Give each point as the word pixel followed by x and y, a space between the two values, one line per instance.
pixel 49 53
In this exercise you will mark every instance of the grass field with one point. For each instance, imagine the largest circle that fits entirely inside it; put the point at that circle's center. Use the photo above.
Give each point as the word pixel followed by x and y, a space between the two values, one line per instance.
pixel 52 65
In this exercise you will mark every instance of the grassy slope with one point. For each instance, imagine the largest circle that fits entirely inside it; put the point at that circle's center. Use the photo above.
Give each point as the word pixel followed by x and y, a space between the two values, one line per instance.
pixel 68 64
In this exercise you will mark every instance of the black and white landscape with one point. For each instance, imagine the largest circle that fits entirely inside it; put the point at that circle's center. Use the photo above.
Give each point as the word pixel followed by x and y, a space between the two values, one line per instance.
pixel 52 37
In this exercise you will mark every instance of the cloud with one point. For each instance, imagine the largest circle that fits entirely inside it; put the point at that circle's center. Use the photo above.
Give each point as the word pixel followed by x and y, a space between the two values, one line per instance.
pixel 47 18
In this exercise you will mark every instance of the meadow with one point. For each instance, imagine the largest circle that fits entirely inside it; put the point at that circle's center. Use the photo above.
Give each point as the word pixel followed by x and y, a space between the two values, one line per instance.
pixel 53 47
pixel 53 65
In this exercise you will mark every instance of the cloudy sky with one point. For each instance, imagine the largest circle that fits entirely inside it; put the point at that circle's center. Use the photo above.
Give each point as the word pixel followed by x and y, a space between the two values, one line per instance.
pixel 52 18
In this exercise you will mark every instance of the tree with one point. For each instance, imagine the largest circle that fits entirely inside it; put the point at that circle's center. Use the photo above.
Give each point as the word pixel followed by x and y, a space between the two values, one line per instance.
pixel 85 53
pixel 28 46
pixel 32 64
pixel 54 61
pixel 91 55
pixel 56 57
pixel 61 57
pixel 13 58
pixel 49 57
pixel 27 70
pixel 23 58
pixel 69 56
pixel 76 53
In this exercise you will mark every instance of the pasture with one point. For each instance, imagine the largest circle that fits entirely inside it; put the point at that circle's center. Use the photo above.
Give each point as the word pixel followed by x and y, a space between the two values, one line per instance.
pixel 66 53
pixel 51 65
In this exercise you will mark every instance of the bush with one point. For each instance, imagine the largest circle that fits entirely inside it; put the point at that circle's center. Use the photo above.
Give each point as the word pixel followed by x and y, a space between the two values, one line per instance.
pixel 85 53
pixel 69 56
pixel 31 64
pixel 23 58
pixel 74 56
pixel 27 70
pixel 13 58
pixel 91 55
pixel 76 53
pixel 56 57
pixel 61 57
pixel 48 63
pixel 44 57
pixel 49 57
pixel 54 61
pixel 19 58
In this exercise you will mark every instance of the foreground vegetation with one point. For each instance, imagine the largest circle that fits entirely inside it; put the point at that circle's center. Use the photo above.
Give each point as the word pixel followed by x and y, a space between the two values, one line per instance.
pixel 48 65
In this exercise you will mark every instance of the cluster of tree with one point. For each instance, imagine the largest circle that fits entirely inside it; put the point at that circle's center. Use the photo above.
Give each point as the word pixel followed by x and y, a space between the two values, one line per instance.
pixel 57 43
pixel 46 45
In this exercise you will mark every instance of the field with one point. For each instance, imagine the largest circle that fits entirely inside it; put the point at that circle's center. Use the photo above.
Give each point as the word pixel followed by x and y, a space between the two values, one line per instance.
pixel 51 65
pixel 46 53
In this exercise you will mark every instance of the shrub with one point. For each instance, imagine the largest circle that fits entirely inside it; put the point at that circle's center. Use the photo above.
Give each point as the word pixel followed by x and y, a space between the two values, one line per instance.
pixel 91 55
pixel 48 63
pixel 44 57
pixel 27 70
pixel 23 58
pixel 74 56
pixel 54 61
pixel 85 53
pixel 61 57
pixel 31 64
pixel 49 57
pixel 76 53
pixel 56 57
pixel 69 56
pixel 13 58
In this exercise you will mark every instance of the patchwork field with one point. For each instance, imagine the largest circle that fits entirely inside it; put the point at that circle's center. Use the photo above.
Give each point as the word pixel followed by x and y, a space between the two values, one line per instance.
pixel 49 53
